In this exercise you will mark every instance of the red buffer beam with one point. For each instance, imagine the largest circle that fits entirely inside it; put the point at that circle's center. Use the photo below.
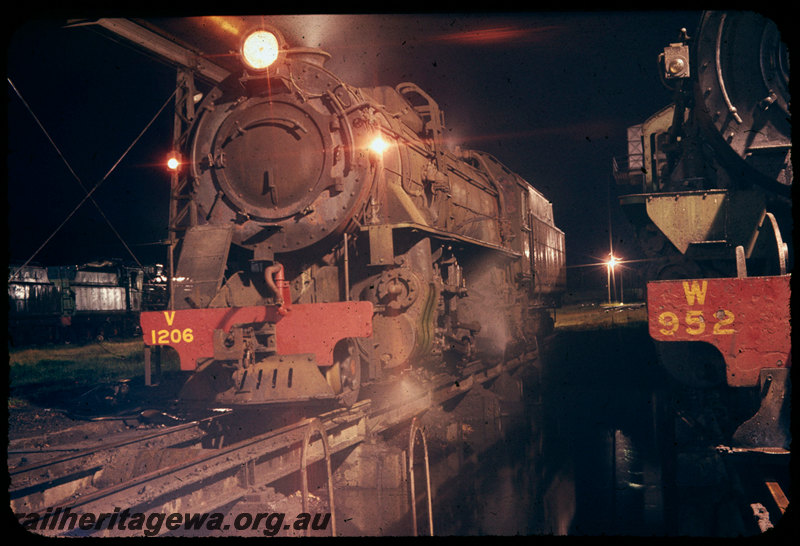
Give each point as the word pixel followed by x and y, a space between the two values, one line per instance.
pixel 747 319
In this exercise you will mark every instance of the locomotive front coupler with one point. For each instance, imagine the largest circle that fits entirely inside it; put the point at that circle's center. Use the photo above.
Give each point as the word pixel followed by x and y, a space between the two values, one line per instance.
pixel 237 345
pixel 244 345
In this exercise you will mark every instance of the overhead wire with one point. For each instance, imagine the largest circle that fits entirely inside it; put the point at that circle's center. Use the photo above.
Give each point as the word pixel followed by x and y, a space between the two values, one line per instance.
pixel 89 193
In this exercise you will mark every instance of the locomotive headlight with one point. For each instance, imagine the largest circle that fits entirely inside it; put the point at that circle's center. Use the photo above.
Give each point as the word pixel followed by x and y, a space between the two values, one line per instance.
pixel 378 145
pixel 173 163
pixel 260 49
pixel 676 61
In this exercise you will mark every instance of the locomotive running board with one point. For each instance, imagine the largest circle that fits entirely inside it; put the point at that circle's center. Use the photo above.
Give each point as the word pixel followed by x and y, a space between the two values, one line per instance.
pixel 385 230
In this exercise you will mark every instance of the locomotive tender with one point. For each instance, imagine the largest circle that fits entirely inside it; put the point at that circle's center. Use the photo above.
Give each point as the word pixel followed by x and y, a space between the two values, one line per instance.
pixel 326 236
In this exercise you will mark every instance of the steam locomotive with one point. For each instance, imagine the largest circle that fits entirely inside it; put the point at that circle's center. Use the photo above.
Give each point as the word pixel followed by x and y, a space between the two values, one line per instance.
pixel 712 170
pixel 707 185
pixel 325 235
pixel 713 173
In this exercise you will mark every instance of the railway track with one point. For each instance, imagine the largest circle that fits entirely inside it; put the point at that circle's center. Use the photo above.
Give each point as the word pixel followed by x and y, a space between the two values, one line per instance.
pixel 44 481
pixel 192 468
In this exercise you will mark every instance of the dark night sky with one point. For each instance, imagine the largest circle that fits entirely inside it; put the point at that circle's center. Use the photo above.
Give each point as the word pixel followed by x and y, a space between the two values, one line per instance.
pixel 549 94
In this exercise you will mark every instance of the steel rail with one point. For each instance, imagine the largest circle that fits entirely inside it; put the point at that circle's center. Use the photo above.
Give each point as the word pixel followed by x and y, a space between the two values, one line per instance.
pixel 26 481
pixel 231 472
pixel 216 478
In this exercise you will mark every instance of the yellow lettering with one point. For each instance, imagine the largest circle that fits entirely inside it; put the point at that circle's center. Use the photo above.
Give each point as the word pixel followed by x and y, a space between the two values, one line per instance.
pixel 670 321
pixel 166 337
pixel 726 319
pixel 695 318
pixel 695 291
pixel 170 316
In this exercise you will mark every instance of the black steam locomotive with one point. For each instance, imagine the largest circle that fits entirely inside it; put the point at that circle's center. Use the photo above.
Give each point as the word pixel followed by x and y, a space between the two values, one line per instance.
pixel 708 187
pixel 707 184
pixel 324 235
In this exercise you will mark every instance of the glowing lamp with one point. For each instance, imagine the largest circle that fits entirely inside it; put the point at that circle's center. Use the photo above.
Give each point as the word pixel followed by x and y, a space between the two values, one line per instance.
pixel 260 49
pixel 378 145
pixel 173 163
pixel 612 262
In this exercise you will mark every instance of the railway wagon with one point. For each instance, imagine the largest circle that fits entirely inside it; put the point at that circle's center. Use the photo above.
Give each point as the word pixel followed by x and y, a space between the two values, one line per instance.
pixel 54 304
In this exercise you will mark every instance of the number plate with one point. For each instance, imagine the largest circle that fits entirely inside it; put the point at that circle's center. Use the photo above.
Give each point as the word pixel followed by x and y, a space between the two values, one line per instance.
pixel 303 328
pixel 747 319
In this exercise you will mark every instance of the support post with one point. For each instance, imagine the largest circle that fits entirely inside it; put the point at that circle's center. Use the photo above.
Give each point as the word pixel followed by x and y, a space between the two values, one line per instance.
pixel 152 359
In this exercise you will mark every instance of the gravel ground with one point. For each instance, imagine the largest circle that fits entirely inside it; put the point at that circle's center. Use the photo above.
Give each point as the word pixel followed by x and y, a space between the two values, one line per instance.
pixel 28 421
pixel 29 417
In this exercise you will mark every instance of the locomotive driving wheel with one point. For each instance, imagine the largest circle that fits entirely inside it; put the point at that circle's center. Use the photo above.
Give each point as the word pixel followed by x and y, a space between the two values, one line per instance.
pixel 344 376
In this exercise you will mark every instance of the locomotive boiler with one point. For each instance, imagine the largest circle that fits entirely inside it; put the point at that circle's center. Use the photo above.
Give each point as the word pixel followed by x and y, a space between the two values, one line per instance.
pixel 325 235
pixel 707 184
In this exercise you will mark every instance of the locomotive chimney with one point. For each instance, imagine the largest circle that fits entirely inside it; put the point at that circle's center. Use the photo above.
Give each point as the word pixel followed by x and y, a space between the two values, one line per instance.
pixel 310 55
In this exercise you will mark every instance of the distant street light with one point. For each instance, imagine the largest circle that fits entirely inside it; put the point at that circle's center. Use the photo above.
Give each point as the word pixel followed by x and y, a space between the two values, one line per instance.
pixel 610 265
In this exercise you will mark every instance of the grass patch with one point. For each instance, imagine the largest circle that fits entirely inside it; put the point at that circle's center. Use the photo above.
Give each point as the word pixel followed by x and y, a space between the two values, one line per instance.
pixel 600 317
pixel 63 368
pixel 17 403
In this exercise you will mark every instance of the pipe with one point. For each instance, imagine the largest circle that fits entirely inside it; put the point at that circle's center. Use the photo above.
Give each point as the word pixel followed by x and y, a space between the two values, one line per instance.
pixel 346 270
pixel 273 275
